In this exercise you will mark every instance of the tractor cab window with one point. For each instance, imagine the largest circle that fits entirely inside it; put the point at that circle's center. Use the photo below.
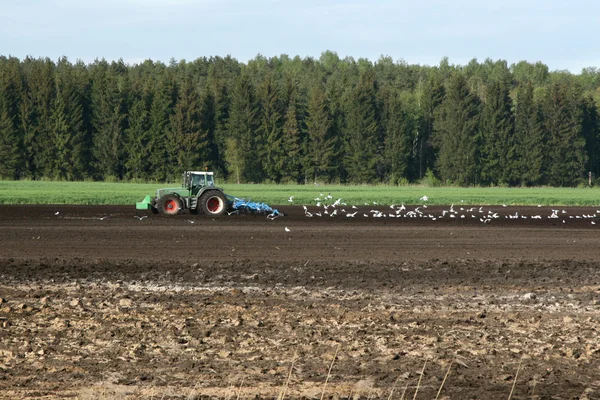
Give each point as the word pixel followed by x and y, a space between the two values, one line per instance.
pixel 210 180
pixel 198 180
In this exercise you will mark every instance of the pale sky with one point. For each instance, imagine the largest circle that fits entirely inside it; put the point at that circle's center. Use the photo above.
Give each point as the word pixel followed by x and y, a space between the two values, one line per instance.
pixel 562 34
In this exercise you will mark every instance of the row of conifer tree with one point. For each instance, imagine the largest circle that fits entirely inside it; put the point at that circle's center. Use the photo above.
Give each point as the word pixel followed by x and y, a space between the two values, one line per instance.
pixel 285 119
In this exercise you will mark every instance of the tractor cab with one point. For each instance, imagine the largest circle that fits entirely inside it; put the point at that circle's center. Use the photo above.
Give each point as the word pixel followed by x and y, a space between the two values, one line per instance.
pixel 196 180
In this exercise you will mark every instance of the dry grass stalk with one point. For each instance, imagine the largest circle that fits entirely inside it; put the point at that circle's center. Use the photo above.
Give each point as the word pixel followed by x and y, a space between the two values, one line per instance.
pixel 329 372
pixel 404 391
pixel 444 380
pixel 515 381
pixel 393 388
pixel 287 381
pixel 240 389
pixel 420 378
pixel 193 391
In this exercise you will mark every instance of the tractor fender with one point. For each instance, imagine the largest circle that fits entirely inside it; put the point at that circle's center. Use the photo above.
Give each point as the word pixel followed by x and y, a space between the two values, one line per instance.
pixel 206 188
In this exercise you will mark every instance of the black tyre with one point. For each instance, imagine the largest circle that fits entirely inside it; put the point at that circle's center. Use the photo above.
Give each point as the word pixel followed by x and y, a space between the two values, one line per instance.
pixel 169 204
pixel 153 207
pixel 213 203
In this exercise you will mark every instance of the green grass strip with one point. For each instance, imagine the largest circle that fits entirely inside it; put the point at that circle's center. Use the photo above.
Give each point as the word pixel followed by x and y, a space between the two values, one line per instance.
pixel 46 192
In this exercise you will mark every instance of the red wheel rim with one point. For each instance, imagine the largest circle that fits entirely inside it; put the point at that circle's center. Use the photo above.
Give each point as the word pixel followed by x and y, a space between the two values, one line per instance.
pixel 213 205
pixel 171 206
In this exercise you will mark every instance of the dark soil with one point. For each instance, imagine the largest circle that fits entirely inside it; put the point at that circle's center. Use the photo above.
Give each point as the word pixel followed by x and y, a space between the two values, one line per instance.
pixel 194 307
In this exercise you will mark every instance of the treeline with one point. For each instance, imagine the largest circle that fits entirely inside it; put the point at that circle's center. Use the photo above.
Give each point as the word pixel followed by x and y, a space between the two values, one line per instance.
pixel 300 120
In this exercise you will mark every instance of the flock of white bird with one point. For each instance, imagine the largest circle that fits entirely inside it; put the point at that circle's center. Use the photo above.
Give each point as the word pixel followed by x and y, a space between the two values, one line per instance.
pixel 327 207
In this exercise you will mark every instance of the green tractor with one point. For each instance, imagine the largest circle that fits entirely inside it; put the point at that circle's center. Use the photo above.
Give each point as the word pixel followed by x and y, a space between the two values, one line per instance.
pixel 198 194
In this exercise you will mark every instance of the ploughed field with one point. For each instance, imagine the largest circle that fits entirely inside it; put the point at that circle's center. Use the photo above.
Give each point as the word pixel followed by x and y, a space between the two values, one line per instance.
pixel 96 303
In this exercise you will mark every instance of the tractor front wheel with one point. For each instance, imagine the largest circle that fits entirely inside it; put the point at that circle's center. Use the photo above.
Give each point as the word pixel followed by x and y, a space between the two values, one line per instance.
pixel 169 204
pixel 213 202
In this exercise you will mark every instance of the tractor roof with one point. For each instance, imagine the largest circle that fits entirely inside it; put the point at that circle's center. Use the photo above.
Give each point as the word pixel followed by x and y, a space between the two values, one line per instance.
pixel 201 172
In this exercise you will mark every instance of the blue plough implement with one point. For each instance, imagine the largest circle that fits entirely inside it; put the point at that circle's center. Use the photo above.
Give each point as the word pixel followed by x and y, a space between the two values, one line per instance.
pixel 252 207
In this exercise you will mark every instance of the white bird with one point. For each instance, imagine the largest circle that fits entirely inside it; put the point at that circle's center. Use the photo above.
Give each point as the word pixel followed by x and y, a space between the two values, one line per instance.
pixel 318 214
pixel 402 208
pixel 424 198
pixel 190 221
pixel 291 199
pixel 329 196
pixel 374 203
pixel 503 205
pixel 272 216
pixel 233 212
pixel 309 215
pixel 141 218
pixel 354 207
pixel 103 218
pixel 351 215
pixel 56 213
pixel 365 215
pixel 287 229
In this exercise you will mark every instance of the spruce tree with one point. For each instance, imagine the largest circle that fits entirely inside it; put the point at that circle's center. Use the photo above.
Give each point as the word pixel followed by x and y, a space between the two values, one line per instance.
pixel 497 136
pixel 9 145
pixel 137 136
pixel 431 97
pixel 186 141
pixel 364 134
pixel 320 146
pixel 208 124
pixel 591 133
pixel 36 116
pixel 565 154
pixel 107 121
pixel 243 155
pixel 457 134
pixel 291 168
pixel 270 129
pixel 67 131
pixel 11 141
pixel 161 109
pixel 529 138
pixel 398 126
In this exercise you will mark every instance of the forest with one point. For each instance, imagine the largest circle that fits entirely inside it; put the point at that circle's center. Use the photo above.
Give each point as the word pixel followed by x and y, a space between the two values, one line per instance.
pixel 300 120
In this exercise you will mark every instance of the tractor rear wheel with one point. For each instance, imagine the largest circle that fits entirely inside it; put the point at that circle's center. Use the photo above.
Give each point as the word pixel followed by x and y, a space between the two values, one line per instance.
pixel 213 202
pixel 169 204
